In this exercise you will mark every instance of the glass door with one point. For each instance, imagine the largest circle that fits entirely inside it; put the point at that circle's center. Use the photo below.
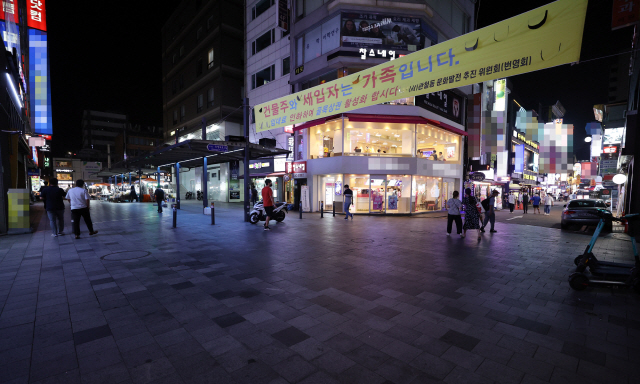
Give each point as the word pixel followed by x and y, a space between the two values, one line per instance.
pixel 378 195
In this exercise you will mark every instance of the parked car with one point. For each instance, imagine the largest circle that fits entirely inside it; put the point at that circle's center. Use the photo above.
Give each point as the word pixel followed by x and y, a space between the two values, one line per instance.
pixel 585 212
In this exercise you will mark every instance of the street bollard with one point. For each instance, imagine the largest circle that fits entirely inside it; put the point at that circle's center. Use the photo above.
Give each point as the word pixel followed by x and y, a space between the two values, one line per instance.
pixel 322 210
pixel 175 215
pixel 334 209
pixel 300 210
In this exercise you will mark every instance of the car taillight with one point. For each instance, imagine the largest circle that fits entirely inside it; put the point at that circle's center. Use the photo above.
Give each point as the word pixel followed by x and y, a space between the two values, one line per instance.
pixel 569 212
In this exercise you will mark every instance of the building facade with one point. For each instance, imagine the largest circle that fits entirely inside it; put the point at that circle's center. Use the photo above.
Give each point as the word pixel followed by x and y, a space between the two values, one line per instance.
pixel 99 132
pixel 402 157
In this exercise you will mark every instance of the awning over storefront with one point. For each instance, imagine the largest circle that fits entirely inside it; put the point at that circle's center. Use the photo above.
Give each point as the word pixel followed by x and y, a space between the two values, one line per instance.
pixel 392 119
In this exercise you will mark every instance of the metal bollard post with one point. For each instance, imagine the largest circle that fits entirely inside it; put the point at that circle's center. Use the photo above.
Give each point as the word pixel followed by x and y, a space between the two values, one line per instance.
pixel 213 216
pixel 334 209
pixel 175 216
pixel 300 210
pixel 322 209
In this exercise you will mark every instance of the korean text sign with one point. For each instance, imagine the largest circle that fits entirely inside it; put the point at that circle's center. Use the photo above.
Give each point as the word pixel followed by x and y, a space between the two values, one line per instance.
pixel 36 15
pixel 544 37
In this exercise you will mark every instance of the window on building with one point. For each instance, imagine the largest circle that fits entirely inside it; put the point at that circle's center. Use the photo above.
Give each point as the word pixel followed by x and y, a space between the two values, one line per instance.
pixel 199 66
pixel 210 58
pixel 286 65
pixel 263 77
pixel 182 113
pixel 199 34
pixel 209 23
pixel 300 51
pixel 181 50
pixel 210 98
pixel 175 117
pixel 200 102
pixel 263 41
pixel 174 88
pixel 261 7
pixel 305 7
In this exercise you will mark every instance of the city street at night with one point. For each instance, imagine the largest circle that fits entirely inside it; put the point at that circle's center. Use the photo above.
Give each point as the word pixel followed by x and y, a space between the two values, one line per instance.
pixel 317 300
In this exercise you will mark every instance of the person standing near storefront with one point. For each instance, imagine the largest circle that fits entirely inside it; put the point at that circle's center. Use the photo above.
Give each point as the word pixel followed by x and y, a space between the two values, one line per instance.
pixel 536 203
pixel 491 213
pixel 548 202
pixel 348 200
pixel 472 215
pixel 512 202
pixel 159 196
pixel 79 199
pixel 53 198
pixel 267 202
pixel 525 202
pixel 254 194
pixel 133 196
pixel 454 206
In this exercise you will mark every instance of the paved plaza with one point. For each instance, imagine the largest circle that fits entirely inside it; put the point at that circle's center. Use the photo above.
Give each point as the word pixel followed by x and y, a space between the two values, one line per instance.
pixel 371 300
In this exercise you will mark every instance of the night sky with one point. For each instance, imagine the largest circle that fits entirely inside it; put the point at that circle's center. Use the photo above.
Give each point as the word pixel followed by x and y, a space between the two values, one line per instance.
pixel 110 59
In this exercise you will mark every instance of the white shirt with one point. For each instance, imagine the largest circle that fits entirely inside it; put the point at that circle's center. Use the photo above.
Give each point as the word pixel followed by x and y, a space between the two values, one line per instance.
pixel 512 199
pixel 454 206
pixel 78 197
pixel 548 200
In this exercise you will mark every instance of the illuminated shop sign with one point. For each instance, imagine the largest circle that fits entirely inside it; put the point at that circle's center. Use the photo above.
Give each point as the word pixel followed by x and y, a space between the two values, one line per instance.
pixel 9 9
pixel 39 82
pixel 64 170
pixel 297 167
pixel 380 53
pixel 530 143
pixel 609 149
pixel 36 15
pixel 259 165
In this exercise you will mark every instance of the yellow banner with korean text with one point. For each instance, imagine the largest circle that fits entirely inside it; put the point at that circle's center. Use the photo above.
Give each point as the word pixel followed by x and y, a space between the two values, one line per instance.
pixel 542 38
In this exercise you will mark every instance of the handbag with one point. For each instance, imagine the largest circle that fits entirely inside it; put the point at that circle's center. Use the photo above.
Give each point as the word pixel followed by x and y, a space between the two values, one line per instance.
pixel 479 207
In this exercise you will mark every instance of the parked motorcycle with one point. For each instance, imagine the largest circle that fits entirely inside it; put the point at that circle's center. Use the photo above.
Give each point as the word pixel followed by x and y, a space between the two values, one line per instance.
pixel 188 195
pixel 199 195
pixel 259 214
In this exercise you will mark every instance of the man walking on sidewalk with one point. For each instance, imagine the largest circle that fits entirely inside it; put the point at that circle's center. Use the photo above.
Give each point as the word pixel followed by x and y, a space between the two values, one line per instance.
pixel 79 199
pixel 348 200
pixel 525 202
pixel 536 203
pixel 267 202
pixel 512 202
pixel 53 198
pixel 491 214
pixel 159 196
pixel 548 202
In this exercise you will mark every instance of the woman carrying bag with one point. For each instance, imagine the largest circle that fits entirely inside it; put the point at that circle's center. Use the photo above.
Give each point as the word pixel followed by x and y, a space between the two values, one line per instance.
pixel 473 213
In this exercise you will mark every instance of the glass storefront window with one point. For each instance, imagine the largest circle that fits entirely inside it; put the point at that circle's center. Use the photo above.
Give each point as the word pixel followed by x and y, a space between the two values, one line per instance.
pixel 325 140
pixel 437 144
pixel 398 193
pixel 330 191
pixel 427 194
pixel 379 139
pixel 359 184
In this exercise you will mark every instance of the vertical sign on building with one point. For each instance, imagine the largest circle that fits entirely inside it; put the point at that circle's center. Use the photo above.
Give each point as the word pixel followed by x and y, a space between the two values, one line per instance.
pixel 39 81
pixel 283 15
pixel 625 13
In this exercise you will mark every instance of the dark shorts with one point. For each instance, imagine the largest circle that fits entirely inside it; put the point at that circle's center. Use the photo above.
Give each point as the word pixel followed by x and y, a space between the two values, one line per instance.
pixel 269 210
pixel 536 206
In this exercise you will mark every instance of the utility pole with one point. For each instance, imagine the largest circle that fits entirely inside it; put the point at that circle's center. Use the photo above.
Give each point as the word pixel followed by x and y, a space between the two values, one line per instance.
pixel 247 156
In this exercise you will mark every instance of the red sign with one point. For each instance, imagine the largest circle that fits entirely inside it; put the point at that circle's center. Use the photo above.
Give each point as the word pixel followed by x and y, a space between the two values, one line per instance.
pixel 36 15
pixel 297 167
pixel 609 149
pixel 625 13
pixel 10 7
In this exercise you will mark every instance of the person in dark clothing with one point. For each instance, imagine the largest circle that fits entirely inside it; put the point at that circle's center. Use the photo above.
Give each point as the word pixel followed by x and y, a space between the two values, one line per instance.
pixel 254 194
pixel 364 29
pixel 133 196
pixel 159 196
pixel 525 202
pixel 348 200
pixel 349 28
pixel 53 198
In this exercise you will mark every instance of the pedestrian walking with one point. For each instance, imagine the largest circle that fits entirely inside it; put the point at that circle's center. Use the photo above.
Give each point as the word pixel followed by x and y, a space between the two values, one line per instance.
pixel 536 203
pixel 133 196
pixel 79 200
pixel 525 202
pixel 472 214
pixel 548 202
pixel 253 195
pixel 348 200
pixel 512 202
pixel 267 202
pixel 454 206
pixel 490 216
pixel 53 197
pixel 159 196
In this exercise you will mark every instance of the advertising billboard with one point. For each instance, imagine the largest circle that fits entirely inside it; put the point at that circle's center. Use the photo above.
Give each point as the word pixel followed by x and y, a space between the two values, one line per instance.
pixel 39 83
pixel 9 9
pixel 519 166
pixel 445 103
pixel 384 31
pixel 553 37
pixel 613 135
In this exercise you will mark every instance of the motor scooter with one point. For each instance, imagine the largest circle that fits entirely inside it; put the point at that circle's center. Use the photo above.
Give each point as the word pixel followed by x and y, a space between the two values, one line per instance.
pixel 188 195
pixel 259 214
pixel 199 195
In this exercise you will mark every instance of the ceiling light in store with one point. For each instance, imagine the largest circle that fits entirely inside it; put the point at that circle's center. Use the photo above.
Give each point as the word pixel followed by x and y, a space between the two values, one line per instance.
pixel 377 134
pixel 385 143
pixel 394 146
pixel 396 135
pixel 421 141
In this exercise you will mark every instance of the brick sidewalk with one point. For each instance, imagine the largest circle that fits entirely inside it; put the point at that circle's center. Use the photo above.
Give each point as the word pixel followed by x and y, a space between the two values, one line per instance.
pixel 373 300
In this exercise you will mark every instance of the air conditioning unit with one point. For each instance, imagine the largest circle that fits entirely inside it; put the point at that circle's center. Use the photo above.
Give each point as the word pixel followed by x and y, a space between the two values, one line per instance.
pixel 269 143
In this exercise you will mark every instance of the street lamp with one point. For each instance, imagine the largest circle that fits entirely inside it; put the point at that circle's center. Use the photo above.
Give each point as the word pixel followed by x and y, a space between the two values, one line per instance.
pixel 587 139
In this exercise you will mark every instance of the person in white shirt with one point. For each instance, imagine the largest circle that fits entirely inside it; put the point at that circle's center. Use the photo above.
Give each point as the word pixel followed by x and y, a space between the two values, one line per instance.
pixel 512 202
pixel 548 202
pixel 79 199
pixel 454 206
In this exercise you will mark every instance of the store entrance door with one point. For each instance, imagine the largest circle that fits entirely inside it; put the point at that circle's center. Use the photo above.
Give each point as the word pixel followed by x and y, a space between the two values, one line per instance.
pixel 378 195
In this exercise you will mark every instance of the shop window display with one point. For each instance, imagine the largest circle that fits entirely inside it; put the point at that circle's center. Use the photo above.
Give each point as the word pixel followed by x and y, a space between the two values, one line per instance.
pixel 437 144
pixel 359 184
pixel 326 140
pixel 427 194
pixel 379 139
pixel 330 192
pixel 398 193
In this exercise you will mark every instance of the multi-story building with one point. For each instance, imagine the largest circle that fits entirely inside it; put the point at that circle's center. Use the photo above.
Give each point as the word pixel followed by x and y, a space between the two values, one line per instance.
pixel 99 133
pixel 202 77
pixel 401 157
pixel 136 141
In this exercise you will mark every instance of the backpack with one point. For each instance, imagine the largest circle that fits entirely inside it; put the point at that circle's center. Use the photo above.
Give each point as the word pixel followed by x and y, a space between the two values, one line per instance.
pixel 485 205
